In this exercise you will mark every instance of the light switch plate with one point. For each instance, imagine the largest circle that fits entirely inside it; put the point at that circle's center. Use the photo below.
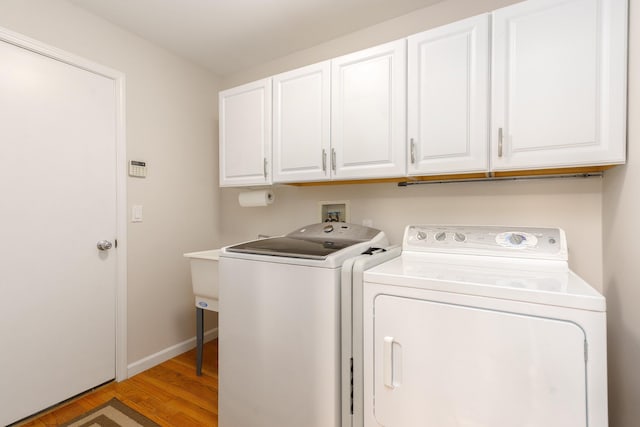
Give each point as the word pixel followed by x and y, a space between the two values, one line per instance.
pixel 136 213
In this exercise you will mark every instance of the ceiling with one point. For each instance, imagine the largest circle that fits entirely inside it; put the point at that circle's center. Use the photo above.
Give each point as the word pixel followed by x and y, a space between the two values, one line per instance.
pixel 226 36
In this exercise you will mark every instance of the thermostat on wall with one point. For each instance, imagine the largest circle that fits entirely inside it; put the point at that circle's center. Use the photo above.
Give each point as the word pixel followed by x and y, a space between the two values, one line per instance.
pixel 137 169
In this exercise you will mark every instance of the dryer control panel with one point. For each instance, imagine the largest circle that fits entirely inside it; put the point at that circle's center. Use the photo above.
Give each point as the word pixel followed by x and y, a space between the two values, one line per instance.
pixel 505 241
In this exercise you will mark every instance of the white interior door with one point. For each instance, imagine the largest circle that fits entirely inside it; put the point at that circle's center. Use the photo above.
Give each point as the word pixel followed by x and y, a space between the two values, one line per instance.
pixel 58 186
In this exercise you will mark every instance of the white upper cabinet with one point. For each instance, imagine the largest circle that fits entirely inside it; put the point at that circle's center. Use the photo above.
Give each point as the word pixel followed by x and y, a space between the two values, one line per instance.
pixel 559 84
pixel 448 93
pixel 368 116
pixel 540 84
pixel 245 134
pixel 301 128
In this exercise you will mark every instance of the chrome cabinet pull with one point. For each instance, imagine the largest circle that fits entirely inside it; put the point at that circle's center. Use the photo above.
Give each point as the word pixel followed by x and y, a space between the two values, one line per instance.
pixel 333 159
pixel 324 160
pixel 265 168
pixel 413 151
pixel 499 142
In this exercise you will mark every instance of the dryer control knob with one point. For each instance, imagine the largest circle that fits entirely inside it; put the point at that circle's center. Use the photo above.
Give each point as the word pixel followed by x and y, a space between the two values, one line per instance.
pixel 421 235
pixel 441 236
pixel 459 237
pixel 328 228
pixel 516 238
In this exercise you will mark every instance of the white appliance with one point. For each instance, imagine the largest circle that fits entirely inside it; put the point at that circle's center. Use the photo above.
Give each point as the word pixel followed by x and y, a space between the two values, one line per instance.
pixel 279 335
pixel 478 327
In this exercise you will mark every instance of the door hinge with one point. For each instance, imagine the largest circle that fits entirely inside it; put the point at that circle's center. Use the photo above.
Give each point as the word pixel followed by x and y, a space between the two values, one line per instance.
pixel 351 384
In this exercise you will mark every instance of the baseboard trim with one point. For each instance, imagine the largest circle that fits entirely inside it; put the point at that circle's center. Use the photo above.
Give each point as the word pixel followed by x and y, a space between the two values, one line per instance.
pixel 168 353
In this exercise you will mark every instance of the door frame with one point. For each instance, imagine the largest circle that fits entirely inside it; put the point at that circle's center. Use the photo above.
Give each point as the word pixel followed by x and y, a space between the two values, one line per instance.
pixel 118 78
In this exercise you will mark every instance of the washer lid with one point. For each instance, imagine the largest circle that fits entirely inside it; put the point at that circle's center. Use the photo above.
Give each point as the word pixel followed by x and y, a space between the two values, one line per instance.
pixel 290 247
pixel 316 241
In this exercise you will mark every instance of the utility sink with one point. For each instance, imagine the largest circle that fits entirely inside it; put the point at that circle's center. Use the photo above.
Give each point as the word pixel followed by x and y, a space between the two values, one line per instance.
pixel 204 278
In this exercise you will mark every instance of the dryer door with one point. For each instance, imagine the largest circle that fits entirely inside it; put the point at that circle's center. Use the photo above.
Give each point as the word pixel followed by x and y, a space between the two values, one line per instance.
pixel 464 366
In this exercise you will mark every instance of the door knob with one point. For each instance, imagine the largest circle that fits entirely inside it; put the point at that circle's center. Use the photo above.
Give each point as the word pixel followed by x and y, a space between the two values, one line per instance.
pixel 104 245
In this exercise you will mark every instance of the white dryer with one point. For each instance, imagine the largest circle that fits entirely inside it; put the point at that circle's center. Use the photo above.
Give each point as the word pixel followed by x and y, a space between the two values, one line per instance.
pixel 480 327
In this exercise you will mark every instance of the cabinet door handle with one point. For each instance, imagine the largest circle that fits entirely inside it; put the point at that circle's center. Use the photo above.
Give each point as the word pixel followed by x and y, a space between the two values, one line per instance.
pixel 324 160
pixel 333 159
pixel 265 167
pixel 413 151
pixel 499 142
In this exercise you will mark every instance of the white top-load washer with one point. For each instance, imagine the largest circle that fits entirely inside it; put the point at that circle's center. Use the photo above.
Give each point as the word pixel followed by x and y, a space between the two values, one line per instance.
pixel 279 333
pixel 479 327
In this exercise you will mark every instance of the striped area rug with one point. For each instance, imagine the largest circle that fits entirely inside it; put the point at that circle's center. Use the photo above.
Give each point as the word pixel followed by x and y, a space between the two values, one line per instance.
pixel 112 414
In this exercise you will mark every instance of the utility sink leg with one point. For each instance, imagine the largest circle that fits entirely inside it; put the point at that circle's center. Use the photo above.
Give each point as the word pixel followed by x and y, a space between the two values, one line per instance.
pixel 199 339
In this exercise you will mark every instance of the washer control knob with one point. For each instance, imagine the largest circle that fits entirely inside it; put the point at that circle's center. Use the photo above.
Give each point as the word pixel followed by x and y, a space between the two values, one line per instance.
pixel 459 237
pixel 421 235
pixel 328 228
pixel 440 236
pixel 517 239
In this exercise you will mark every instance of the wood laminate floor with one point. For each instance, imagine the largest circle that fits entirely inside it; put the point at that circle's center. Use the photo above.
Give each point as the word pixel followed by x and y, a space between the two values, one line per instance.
pixel 170 394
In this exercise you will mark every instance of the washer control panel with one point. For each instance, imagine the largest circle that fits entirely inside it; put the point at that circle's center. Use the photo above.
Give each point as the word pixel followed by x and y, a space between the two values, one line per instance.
pixel 519 242
pixel 335 230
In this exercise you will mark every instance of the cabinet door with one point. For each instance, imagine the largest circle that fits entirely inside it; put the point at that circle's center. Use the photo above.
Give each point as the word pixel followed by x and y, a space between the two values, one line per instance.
pixel 368 116
pixel 245 134
pixel 301 114
pixel 559 84
pixel 448 84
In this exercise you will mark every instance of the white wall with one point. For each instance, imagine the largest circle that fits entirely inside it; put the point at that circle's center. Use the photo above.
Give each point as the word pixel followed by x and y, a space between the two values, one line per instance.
pixel 621 228
pixel 171 115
